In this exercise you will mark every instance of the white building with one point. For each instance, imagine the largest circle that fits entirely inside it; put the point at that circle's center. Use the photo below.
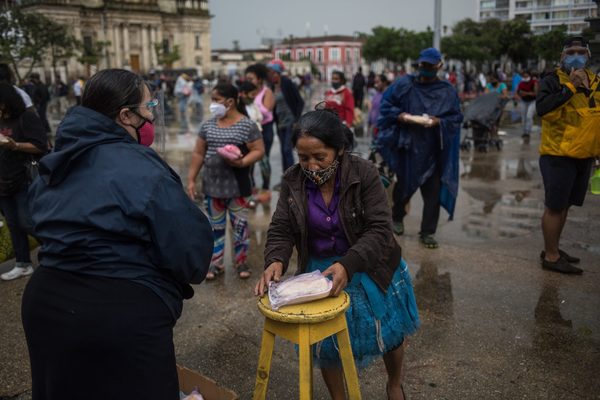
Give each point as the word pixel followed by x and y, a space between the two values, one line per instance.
pixel 542 15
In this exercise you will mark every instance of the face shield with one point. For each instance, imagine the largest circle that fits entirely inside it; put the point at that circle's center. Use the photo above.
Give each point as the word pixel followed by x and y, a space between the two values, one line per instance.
pixel 160 131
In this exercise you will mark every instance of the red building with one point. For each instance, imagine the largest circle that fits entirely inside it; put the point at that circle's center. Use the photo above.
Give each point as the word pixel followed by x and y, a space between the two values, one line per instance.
pixel 327 53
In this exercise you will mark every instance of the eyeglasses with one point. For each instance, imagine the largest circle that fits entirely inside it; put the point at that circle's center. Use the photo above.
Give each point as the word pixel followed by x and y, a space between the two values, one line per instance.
pixel 149 105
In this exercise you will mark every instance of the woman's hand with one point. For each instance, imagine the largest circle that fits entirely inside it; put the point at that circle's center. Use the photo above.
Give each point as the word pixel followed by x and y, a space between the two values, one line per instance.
pixel 340 278
pixel 239 163
pixel 272 273
pixel 9 143
pixel 191 190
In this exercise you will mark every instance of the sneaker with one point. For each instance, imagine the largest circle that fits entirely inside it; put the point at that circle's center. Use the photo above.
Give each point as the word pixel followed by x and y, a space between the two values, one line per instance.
pixel 570 259
pixel 398 228
pixel 429 242
pixel 17 272
pixel 561 265
pixel 252 203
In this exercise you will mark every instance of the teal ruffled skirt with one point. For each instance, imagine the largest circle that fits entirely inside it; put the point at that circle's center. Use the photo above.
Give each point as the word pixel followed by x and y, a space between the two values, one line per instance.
pixel 378 322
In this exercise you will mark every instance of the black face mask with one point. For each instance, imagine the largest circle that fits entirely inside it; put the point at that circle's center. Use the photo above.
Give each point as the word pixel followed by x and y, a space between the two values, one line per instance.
pixel 321 176
pixel 336 85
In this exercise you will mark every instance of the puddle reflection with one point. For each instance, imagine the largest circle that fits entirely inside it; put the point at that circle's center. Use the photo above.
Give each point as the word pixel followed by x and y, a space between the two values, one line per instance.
pixel 552 333
pixel 492 215
pixel 433 290
pixel 492 167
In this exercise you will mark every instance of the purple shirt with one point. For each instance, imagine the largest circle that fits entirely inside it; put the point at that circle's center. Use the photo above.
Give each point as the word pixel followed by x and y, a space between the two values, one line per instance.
pixel 375 104
pixel 325 230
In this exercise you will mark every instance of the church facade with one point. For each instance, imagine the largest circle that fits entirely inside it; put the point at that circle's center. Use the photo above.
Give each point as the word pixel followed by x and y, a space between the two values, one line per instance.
pixel 135 33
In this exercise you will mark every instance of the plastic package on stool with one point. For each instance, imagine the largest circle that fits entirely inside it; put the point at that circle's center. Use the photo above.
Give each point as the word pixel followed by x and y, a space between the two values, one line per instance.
pixel 299 289
pixel 195 395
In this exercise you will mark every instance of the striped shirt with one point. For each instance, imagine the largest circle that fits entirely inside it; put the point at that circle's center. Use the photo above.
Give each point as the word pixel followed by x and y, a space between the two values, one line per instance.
pixel 218 177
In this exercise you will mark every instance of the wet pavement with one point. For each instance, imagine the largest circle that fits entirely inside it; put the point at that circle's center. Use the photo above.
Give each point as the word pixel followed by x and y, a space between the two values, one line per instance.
pixel 494 324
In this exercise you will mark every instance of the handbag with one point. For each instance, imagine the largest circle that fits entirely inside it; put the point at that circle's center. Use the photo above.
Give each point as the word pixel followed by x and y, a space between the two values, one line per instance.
pixel 31 169
pixel 386 175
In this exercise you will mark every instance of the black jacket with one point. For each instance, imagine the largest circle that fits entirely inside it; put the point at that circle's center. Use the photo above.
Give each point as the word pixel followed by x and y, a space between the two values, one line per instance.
pixel 292 97
pixel 107 206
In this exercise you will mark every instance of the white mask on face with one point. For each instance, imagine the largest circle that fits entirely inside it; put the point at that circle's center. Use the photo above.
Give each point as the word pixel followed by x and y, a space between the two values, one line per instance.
pixel 217 110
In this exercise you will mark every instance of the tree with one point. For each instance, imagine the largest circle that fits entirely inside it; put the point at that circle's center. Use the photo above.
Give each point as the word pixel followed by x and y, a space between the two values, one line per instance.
pixel 380 44
pixel 548 45
pixel 62 44
pixel 92 53
pixel 394 45
pixel 236 45
pixel 23 38
pixel 418 41
pixel 467 42
pixel 166 56
pixel 515 40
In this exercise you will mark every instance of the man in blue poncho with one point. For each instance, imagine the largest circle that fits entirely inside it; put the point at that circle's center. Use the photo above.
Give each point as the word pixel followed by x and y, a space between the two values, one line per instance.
pixel 419 135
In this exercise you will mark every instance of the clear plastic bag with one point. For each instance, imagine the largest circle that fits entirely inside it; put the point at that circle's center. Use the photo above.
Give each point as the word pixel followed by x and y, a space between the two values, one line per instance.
pixel 299 289
pixel 195 395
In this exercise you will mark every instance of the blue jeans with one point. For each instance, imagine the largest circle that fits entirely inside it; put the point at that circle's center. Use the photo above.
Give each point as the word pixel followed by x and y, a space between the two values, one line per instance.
pixel 183 104
pixel 285 140
pixel 527 112
pixel 16 213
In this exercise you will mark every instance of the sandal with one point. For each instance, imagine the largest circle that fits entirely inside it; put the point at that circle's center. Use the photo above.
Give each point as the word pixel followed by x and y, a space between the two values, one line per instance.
pixel 398 228
pixel 213 272
pixel 387 391
pixel 429 242
pixel 243 271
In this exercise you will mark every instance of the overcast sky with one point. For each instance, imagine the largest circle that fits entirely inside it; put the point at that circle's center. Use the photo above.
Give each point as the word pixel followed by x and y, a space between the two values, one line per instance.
pixel 249 20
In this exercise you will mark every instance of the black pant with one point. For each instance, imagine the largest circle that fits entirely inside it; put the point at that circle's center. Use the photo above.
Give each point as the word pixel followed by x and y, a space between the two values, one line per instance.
pixel 41 110
pixel 430 191
pixel 97 338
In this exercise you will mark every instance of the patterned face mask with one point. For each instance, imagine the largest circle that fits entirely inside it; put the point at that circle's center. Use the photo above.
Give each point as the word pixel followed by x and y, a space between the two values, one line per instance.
pixel 321 176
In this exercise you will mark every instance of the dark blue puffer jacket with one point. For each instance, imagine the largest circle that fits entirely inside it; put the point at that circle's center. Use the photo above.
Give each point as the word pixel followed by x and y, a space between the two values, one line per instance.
pixel 106 206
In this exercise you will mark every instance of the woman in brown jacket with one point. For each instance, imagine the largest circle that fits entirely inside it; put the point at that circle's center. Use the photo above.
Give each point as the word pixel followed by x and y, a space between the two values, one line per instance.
pixel 333 208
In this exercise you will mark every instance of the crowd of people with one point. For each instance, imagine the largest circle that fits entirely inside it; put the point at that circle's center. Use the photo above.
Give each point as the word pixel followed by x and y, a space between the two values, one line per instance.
pixel 122 239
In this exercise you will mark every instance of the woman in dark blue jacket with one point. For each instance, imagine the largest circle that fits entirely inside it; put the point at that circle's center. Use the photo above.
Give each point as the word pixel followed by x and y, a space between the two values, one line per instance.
pixel 121 245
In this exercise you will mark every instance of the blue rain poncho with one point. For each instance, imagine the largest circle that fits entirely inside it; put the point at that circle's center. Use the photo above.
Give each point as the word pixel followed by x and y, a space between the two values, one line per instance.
pixel 412 151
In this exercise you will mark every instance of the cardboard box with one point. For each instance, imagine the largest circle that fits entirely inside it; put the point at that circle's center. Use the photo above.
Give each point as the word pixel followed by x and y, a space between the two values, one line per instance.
pixel 190 380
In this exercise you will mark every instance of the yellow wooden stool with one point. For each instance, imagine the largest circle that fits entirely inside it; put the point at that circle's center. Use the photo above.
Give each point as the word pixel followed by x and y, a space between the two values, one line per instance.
pixel 306 324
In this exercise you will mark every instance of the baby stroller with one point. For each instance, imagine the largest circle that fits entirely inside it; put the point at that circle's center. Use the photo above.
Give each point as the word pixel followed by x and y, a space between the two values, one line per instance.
pixel 385 173
pixel 482 116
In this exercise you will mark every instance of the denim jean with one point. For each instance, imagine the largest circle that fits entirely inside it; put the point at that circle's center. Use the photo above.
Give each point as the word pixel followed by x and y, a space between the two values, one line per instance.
pixel 527 111
pixel 16 213
pixel 183 104
pixel 285 140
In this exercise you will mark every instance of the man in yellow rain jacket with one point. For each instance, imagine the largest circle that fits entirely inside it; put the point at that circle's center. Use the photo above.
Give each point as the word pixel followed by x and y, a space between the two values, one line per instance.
pixel 569 104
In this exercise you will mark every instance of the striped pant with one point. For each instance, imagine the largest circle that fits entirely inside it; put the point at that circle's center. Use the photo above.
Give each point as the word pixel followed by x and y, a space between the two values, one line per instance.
pixel 217 210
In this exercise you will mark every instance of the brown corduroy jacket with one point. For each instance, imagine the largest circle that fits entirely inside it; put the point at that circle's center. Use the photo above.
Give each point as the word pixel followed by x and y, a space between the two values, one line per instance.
pixel 365 215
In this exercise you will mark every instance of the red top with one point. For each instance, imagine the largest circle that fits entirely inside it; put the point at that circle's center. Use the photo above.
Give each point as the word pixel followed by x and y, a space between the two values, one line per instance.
pixel 528 86
pixel 342 102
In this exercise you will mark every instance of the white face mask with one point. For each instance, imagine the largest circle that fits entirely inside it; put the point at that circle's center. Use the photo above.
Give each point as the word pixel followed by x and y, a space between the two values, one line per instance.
pixel 217 110
pixel 526 79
